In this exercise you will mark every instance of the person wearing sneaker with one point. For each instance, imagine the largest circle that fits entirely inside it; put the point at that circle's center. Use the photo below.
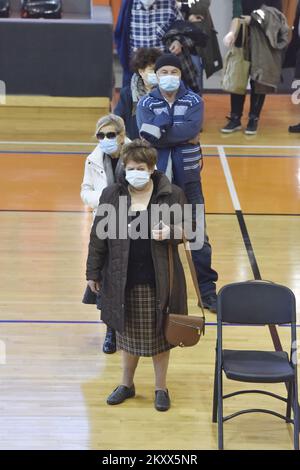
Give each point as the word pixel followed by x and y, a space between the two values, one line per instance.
pixel 243 9
pixel 133 271
pixel 170 118
pixel 102 168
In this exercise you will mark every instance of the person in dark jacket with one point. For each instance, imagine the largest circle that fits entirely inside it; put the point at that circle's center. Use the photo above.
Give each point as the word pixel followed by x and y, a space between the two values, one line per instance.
pixel 207 56
pixel 244 8
pixel 135 279
pixel 142 82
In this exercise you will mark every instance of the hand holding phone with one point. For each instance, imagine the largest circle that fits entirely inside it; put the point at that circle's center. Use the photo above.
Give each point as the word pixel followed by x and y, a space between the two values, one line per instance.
pixel 161 231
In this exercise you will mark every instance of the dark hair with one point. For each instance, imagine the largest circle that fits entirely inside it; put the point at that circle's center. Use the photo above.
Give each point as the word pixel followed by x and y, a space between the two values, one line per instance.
pixel 143 57
pixel 139 151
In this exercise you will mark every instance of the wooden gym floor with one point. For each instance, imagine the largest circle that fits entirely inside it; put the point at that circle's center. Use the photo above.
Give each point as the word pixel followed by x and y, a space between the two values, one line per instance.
pixel 54 377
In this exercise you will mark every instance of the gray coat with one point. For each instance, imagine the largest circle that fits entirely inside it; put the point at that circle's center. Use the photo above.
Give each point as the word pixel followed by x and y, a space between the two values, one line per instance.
pixel 113 255
pixel 269 36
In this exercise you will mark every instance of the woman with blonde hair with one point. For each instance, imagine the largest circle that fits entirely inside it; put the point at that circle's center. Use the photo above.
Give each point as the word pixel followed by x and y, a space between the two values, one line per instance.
pixel 102 168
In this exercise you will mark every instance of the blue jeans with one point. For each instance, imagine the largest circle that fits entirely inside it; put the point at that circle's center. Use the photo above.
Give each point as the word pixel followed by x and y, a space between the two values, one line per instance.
pixel 197 61
pixel 207 277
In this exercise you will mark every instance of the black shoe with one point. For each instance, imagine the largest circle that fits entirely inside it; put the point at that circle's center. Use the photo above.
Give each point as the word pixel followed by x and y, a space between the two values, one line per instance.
pixel 210 302
pixel 233 125
pixel 162 400
pixel 120 394
pixel 251 128
pixel 109 345
pixel 295 129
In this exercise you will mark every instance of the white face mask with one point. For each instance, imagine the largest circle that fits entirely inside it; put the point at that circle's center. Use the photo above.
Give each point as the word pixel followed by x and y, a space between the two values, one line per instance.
pixel 109 146
pixel 137 178
pixel 152 79
pixel 147 3
pixel 169 82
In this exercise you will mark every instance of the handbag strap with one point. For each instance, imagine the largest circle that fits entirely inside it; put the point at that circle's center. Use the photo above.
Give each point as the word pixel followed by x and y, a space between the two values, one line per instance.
pixel 246 41
pixel 241 24
pixel 244 30
pixel 192 270
pixel 245 38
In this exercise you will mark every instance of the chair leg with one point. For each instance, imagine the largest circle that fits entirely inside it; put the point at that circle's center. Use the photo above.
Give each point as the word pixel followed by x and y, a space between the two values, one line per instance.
pixel 220 411
pixel 215 397
pixel 289 402
pixel 296 415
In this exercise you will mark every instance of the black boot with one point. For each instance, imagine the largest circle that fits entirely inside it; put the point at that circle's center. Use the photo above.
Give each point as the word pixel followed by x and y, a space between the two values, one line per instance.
pixel 251 128
pixel 109 345
pixel 233 125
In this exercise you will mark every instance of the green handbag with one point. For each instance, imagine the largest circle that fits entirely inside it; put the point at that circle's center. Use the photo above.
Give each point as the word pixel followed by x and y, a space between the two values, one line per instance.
pixel 236 68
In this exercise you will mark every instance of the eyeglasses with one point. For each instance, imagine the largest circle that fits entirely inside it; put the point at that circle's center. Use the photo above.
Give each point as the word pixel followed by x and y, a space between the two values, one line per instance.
pixel 109 135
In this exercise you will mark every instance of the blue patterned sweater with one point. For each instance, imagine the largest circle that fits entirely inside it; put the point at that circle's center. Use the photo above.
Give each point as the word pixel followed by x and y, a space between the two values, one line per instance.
pixel 170 128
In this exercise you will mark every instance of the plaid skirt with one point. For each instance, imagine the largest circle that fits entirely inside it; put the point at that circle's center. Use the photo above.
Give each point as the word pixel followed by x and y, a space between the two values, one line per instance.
pixel 140 337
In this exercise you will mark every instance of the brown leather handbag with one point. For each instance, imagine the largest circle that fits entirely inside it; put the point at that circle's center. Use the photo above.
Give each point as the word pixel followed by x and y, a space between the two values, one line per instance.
pixel 184 330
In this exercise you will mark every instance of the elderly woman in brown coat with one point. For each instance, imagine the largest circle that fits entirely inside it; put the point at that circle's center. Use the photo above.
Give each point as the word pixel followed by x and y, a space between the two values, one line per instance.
pixel 134 283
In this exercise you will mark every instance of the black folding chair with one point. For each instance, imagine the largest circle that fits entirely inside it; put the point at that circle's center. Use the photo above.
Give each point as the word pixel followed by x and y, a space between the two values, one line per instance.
pixel 256 303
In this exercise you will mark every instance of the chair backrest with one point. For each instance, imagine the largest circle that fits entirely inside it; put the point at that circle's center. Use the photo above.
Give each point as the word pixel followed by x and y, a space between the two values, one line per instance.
pixel 256 303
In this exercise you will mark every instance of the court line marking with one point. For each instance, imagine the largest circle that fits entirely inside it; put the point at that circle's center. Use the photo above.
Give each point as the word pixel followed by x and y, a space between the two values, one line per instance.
pixel 245 235
pixel 229 179
pixel 12 142
pixel 297 147
pixel 8 142
pixel 50 211
pixel 58 322
pixel 41 302
pixel 266 214
pixel 99 322
pixel 89 212
pixel 241 155
pixel 4 153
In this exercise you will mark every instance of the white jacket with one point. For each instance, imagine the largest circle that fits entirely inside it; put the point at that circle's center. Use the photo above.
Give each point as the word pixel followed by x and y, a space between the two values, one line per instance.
pixel 94 179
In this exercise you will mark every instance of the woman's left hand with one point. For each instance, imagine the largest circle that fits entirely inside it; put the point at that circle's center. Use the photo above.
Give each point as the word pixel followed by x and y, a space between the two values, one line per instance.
pixel 176 48
pixel 196 18
pixel 229 39
pixel 161 232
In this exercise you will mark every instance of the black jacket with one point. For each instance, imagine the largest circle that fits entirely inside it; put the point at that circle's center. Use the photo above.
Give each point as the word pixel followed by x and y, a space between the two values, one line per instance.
pixel 210 52
pixel 112 255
